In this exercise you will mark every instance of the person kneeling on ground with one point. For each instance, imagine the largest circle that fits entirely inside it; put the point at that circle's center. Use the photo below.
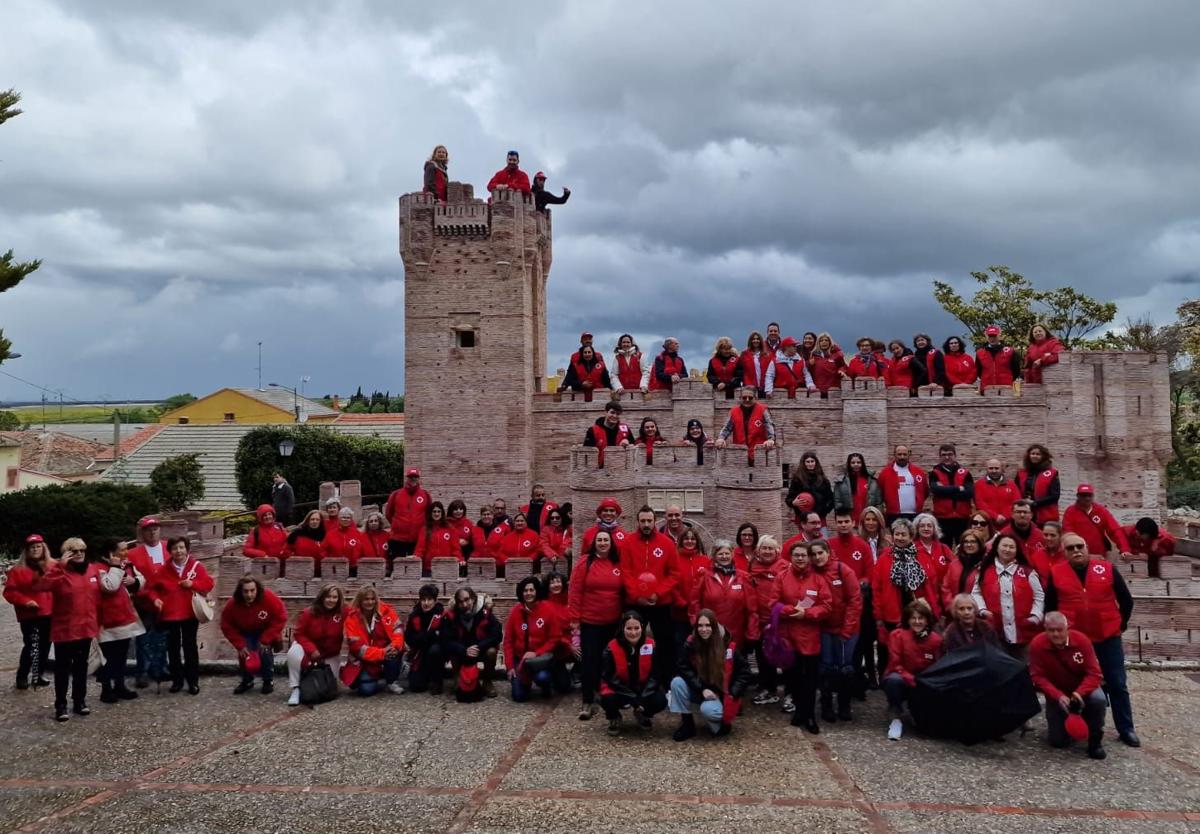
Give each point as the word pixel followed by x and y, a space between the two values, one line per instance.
pixel 534 643
pixel 376 643
pixel 422 634
pixel 627 676
pixel 1064 668
pixel 912 649
pixel 713 677
pixel 253 621
pixel 470 636
pixel 317 637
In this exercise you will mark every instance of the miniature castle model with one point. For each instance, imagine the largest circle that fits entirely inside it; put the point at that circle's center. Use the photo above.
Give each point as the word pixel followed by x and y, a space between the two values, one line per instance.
pixel 480 424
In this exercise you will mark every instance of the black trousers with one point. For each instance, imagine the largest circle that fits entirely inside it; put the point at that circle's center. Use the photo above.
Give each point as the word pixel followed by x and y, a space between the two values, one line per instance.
pixel 430 669
pixel 802 684
pixel 864 651
pixel 658 618
pixel 115 652
pixel 592 640
pixel 181 639
pixel 650 704
pixel 35 646
pixel 952 529
pixel 768 675
pixel 70 668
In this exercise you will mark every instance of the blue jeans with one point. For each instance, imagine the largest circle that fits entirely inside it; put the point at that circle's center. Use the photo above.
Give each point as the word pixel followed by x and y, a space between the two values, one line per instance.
pixel 837 654
pixel 1111 655
pixel 368 684
pixel 267 673
pixel 683 700
pixel 547 673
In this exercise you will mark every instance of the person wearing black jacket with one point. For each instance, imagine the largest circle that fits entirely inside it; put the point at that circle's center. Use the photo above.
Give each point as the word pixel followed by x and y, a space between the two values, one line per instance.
pixel 471 634
pixel 953 490
pixel 542 197
pixel 283 499
pixel 627 675
pixel 810 477
pixel 422 638
pixel 610 428
pixel 713 677
pixel 927 366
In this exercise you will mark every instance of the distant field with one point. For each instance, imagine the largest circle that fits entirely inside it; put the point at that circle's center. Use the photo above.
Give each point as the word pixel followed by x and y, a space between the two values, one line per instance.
pixel 74 413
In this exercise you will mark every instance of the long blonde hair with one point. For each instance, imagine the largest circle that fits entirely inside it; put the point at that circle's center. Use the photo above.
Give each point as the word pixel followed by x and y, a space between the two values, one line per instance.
pixel 724 341
pixel 433 154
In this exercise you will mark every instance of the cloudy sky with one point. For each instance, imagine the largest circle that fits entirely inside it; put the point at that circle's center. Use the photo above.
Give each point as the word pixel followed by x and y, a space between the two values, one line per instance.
pixel 199 177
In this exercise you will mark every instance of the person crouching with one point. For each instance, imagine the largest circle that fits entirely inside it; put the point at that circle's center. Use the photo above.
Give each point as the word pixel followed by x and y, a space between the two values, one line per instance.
pixel 713 677
pixel 627 676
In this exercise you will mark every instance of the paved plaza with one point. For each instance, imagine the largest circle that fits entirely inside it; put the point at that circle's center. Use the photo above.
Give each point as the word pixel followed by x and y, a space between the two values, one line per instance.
pixel 417 763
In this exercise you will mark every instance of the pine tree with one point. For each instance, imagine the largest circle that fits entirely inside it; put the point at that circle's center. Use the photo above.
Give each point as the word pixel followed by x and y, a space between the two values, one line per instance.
pixel 11 272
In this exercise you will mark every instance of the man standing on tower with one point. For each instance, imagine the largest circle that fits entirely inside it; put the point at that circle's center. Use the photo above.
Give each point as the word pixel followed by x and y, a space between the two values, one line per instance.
pixel 510 176
pixel 668 368
pixel 542 197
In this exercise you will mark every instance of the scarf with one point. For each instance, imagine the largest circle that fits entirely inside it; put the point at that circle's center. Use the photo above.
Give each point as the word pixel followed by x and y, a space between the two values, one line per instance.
pixel 607 526
pixel 907 572
pixel 725 570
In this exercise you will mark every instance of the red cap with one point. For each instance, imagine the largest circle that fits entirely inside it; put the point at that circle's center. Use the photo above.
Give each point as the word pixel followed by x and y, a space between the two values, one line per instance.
pixel 584 336
pixel 608 503
pixel 1085 489
pixel 787 342
pixel 33 538
pixel 992 330
pixel 539 176
pixel 148 521
pixel 413 473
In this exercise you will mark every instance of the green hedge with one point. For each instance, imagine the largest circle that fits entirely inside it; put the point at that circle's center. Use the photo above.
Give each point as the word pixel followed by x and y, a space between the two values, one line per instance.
pixel 94 510
pixel 1183 494
pixel 321 454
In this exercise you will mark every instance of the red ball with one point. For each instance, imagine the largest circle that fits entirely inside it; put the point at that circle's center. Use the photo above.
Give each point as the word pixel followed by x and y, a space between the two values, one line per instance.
pixel 647 581
pixel 804 502
pixel 1076 727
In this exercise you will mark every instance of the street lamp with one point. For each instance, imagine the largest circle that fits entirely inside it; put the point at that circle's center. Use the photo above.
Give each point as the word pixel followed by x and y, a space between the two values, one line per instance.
pixel 295 396
pixel 286 447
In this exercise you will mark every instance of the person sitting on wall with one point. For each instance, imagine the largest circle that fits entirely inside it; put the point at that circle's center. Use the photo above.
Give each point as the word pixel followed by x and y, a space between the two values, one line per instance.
pixel 1147 539
pixel 608 431
pixel 510 176
pixel 542 197
pixel 436 175
pixel 1043 350
pixel 725 368
pixel 995 362
pixel 587 374
pixel 749 425
pixel 267 537
pixel 668 368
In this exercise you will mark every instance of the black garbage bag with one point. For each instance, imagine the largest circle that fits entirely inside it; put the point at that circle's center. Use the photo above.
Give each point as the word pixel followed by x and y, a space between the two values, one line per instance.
pixel 973 694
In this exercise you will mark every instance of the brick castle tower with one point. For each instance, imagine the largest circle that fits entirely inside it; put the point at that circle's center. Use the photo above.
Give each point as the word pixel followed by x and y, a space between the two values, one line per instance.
pixel 475 339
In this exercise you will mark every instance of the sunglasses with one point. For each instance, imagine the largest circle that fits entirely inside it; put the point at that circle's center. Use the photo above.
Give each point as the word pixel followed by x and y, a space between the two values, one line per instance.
pixel 1075 547
pixel 977 523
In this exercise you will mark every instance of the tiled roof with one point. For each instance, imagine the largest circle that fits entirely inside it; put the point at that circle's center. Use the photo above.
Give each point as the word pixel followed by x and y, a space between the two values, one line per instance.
pixel 55 453
pixel 217 445
pixel 285 400
pixel 133 441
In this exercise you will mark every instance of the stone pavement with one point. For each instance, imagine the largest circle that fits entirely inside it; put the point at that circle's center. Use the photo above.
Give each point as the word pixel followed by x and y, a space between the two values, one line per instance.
pixel 415 763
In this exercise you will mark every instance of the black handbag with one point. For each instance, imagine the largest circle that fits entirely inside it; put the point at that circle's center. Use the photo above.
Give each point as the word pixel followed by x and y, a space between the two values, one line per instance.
pixel 318 684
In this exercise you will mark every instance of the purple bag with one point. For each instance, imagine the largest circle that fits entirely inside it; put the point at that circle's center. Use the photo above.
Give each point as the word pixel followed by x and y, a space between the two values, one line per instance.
pixel 776 648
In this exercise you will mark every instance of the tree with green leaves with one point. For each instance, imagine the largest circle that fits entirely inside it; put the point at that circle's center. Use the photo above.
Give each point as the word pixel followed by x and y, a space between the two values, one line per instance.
pixel 1010 300
pixel 177 482
pixel 12 272
pixel 9 421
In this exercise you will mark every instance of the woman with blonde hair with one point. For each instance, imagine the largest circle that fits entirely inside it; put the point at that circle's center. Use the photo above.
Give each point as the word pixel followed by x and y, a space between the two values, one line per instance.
pixel 317 637
pixel 826 363
pixel 74 584
pixel 725 368
pixel 436 173
pixel 33 609
pixel 375 638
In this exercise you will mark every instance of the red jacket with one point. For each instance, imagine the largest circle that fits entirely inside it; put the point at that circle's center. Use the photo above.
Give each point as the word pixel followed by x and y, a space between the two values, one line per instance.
pixel 1022 596
pixel 724 370
pixel 909 655
pixel 306 546
pixel 654 555
pixel 960 368
pixel 19 590
pixel 855 553
pixel 871 367
pixel 996 500
pixel 900 373
pixel 516 179
pixel 672 366
pixel 321 633
pixel 938 554
pixel 753 435
pixel 595 594
pixel 76 602
pixel 555 543
pixel 1095 527
pixel 691 565
pixel 523 545
pixel 405 512
pixel 845 613
pixel 265 539
pixel 1047 350
pixel 953 583
pixel 177 600
pixel 372 545
pixel 368 646
pixel 790 589
pixel 1072 669
pixel 1164 545
pixel 732 598
pixel 1091 605
pixel 266 617
pixel 754 368
pixel 629 370
pixel 886 599
pixel 889 485
pixel 441 541
pixel 763 578
pixel 950 506
pixel 996 369
pixel 1045 485
pixel 344 542
pixel 826 370
pixel 537 629
pixel 116 607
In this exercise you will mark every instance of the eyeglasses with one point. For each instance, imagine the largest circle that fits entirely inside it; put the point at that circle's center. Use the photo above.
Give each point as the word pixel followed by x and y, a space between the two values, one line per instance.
pixel 977 523
pixel 1075 547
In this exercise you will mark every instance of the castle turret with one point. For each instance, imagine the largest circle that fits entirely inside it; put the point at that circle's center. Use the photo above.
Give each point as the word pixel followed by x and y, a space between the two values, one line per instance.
pixel 475 339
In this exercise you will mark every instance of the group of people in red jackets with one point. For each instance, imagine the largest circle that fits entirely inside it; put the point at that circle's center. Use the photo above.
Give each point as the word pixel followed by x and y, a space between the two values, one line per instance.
pixel 782 366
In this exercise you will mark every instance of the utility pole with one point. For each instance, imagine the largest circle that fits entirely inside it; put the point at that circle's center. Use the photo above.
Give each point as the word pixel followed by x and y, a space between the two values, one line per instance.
pixel 43 411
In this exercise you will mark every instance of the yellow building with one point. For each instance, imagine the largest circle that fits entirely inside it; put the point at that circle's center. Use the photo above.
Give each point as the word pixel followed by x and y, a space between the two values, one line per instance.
pixel 250 406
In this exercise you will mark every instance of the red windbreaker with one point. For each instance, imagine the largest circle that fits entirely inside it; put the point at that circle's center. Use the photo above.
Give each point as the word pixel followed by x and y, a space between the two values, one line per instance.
pixel 1046 350
pixel 1095 527
pixel 909 655
pixel 960 368
pixel 793 587
pixel 19 590
pixel 177 600
pixel 732 598
pixel 596 592
pixel 320 632
pixel 265 539
pixel 655 555
pixel 845 611
pixel 266 617
pixel 76 602
pixel 405 512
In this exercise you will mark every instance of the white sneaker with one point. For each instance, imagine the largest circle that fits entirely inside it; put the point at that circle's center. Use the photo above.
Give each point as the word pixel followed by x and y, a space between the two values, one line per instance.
pixel 895 729
pixel 395 689
pixel 294 698
pixel 788 704
pixel 766 696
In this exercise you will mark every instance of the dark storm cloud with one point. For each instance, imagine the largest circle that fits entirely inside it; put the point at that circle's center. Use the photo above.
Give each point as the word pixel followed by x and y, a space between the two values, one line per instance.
pixel 232 168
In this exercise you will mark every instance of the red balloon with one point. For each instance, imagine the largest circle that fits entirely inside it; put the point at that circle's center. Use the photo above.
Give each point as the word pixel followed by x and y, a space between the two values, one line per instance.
pixel 804 502
pixel 1076 727
pixel 647 581
pixel 253 663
